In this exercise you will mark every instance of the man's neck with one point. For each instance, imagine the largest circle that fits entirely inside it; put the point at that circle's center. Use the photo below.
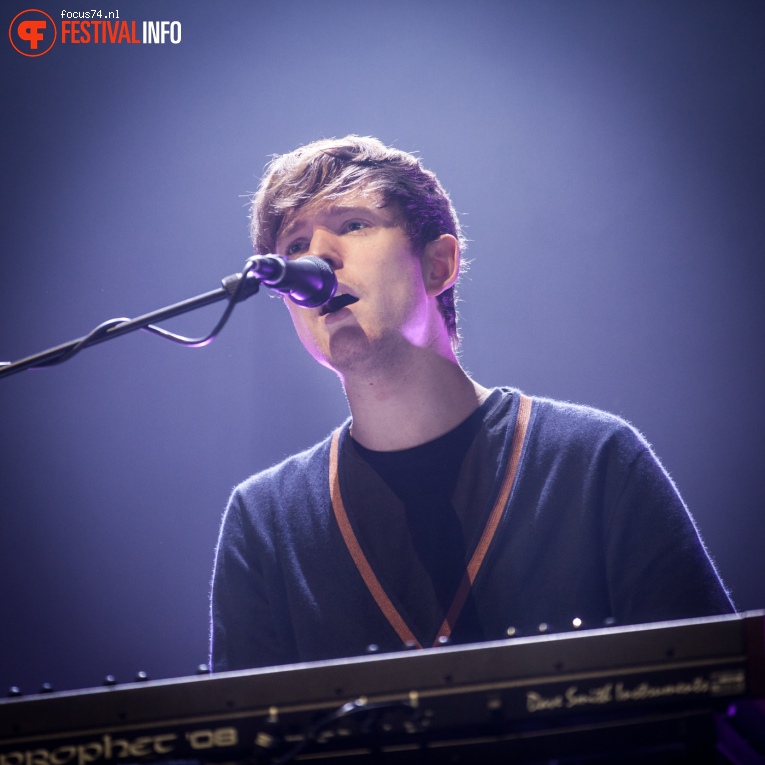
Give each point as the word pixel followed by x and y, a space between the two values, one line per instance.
pixel 398 408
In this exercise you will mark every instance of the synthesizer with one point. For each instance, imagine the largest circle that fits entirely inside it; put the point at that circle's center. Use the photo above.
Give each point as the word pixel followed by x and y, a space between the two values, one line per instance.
pixel 655 688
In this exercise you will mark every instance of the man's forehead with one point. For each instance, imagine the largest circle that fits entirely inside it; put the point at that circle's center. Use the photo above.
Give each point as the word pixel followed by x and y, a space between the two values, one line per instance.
pixel 353 201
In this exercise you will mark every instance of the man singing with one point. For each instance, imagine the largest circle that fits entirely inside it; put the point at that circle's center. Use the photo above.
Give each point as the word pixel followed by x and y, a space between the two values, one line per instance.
pixel 441 511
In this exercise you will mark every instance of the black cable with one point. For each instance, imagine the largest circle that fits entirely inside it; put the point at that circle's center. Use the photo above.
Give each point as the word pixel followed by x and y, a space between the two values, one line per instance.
pixel 198 342
pixel 94 334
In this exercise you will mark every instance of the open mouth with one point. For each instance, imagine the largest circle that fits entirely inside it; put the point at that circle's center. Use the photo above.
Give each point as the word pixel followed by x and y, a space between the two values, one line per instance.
pixel 338 302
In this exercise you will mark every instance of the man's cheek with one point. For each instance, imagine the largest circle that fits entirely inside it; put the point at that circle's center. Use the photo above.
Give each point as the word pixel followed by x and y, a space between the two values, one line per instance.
pixel 305 326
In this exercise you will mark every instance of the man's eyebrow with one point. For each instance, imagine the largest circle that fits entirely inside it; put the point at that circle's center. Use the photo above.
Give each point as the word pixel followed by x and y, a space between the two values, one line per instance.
pixel 331 210
pixel 343 209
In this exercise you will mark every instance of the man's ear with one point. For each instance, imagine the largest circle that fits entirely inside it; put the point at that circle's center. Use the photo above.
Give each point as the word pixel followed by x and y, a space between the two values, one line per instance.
pixel 440 264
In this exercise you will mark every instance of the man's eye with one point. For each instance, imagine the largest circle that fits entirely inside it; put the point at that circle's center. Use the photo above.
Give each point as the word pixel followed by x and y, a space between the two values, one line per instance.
pixel 295 248
pixel 355 225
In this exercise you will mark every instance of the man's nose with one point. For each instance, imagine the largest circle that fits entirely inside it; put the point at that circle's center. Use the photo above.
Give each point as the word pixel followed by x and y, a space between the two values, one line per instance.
pixel 326 245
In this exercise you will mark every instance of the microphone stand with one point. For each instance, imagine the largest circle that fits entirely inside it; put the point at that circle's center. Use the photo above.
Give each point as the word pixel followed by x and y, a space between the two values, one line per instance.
pixel 235 288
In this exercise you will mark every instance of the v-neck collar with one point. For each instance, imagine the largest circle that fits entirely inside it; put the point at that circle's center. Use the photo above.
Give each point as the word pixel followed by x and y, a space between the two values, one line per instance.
pixel 368 574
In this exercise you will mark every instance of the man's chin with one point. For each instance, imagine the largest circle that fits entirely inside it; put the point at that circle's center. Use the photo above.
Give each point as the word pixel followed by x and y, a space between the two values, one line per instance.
pixel 348 348
pixel 352 352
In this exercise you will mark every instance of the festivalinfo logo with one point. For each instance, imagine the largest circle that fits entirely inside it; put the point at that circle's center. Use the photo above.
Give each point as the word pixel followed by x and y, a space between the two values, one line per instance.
pixel 34 32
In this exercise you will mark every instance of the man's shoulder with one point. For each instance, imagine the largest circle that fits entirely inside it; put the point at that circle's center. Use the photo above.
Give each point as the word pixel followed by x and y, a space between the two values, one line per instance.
pixel 580 415
pixel 579 445
pixel 295 472
pixel 558 422
pixel 281 502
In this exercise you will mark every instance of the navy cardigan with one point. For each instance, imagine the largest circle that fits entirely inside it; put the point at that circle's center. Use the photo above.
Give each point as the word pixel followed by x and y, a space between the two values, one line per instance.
pixel 593 529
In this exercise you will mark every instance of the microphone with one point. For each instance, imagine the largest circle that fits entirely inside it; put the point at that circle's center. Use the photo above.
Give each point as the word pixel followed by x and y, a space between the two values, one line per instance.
pixel 307 281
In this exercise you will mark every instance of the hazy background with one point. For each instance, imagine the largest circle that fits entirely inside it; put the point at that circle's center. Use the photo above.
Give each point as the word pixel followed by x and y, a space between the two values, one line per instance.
pixel 607 157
